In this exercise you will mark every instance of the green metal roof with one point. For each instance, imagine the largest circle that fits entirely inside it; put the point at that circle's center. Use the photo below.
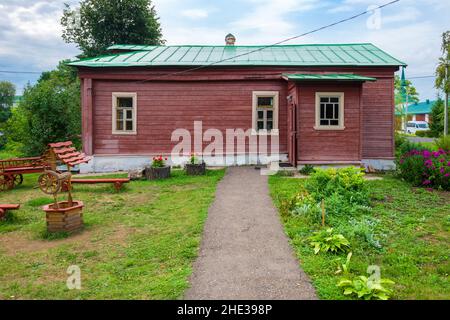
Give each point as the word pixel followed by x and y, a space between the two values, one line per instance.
pixel 423 107
pixel 364 54
pixel 329 76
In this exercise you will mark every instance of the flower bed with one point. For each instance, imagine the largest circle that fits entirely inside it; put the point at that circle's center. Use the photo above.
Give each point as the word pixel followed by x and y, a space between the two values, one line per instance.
pixel 426 168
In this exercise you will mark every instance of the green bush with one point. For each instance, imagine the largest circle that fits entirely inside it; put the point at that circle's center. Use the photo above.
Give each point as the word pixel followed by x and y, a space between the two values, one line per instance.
pixel 364 288
pixel 329 241
pixel 426 168
pixel 307 169
pixel 443 142
pixel 425 133
pixel 347 182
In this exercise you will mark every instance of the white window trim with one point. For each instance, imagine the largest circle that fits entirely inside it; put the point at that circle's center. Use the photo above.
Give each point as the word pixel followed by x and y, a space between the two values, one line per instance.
pixel 276 96
pixel 116 95
pixel 341 110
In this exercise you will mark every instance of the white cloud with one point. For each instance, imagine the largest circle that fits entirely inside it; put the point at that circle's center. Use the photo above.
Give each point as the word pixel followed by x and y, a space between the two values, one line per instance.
pixel 195 13
pixel 270 16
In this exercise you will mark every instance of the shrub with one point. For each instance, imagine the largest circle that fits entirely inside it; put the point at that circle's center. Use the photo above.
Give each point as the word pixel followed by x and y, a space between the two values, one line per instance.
pixel 443 142
pixel 347 182
pixel 426 168
pixel 329 241
pixel 425 133
pixel 307 170
pixel 364 288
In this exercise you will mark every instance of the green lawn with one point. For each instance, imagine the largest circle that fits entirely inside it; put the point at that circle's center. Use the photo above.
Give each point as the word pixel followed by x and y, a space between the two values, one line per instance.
pixel 138 243
pixel 407 234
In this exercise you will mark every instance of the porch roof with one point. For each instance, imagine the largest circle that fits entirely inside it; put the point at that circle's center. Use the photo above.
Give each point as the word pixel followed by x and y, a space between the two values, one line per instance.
pixel 327 77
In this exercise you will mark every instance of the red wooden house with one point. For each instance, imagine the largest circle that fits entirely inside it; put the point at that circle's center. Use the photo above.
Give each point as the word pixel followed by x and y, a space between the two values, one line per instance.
pixel 326 103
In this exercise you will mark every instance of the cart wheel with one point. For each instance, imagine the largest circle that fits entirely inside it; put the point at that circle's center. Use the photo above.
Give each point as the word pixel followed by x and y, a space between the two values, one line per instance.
pixel 6 182
pixel 49 183
pixel 17 179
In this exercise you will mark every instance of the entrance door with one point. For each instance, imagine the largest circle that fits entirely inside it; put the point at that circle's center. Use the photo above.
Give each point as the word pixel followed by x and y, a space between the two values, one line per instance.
pixel 292 133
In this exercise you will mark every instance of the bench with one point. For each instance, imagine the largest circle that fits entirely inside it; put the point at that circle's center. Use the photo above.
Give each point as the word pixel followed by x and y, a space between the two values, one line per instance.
pixel 118 182
pixel 5 207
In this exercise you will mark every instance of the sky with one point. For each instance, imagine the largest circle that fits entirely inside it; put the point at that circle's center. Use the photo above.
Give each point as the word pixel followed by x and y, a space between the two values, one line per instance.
pixel 410 30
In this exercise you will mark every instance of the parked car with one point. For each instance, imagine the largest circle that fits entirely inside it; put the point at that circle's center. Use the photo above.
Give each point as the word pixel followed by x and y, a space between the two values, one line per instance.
pixel 413 126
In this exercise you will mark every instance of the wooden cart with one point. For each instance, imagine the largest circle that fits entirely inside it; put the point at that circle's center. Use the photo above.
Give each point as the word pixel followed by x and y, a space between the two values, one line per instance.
pixel 12 170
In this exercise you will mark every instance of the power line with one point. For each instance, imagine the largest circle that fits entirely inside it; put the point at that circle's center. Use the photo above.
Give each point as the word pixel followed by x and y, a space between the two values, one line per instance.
pixel 277 43
pixel 20 72
pixel 420 77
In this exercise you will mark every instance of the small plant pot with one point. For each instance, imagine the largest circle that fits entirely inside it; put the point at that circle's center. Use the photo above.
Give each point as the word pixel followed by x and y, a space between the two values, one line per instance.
pixel 152 173
pixel 195 169
pixel 64 218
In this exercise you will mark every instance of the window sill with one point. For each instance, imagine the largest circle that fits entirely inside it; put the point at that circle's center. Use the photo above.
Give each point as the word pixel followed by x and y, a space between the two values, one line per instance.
pixel 125 133
pixel 274 132
pixel 337 128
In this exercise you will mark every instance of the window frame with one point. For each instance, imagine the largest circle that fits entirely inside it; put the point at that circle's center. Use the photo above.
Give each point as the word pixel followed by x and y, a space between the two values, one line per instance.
pixel 276 96
pixel 341 97
pixel 115 96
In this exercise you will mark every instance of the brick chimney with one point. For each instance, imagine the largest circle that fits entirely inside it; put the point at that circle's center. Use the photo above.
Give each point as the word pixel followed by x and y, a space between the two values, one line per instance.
pixel 230 39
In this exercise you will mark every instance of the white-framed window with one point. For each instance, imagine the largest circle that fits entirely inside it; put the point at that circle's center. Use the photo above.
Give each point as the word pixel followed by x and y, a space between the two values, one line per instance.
pixel 329 111
pixel 124 112
pixel 265 112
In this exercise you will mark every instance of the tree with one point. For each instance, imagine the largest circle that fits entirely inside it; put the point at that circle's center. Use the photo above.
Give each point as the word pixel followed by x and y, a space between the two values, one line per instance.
pixel 413 95
pixel 437 118
pixel 442 72
pixel 7 94
pixel 98 24
pixel 49 112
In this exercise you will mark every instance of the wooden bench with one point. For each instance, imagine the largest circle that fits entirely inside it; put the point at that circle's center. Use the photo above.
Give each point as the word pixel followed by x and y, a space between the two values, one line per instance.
pixel 5 207
pixel 118 182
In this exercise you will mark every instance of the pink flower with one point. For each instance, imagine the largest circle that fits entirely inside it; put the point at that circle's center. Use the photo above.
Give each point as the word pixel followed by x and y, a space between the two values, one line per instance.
pixel 447 175
pixel 436 154
pixel 426 182
pixel 426 154
pixel 442 170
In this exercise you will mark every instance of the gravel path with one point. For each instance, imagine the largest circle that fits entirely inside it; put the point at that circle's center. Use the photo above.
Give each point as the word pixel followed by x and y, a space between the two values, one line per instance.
pixel 245 253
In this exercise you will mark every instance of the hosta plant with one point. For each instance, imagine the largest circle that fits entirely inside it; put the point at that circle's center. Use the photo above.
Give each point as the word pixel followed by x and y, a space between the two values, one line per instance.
pixel 329 241
pixel 344 268
pixel 367 289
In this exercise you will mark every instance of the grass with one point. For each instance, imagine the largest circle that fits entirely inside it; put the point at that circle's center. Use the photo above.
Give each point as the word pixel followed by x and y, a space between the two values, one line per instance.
pixel 407 234
pixel 138 243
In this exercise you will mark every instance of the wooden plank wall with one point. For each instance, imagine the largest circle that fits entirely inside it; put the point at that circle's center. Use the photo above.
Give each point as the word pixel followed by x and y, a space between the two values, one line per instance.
pixel 329 145
pixel 222 98
pixel 165 106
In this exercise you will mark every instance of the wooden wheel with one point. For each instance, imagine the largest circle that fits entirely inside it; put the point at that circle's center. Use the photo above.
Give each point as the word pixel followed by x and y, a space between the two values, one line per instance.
pixel 17 179
pixel 49 183
pixel 6 182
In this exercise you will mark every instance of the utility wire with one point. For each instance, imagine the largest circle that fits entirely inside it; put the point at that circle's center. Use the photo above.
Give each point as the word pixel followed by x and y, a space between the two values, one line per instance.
pixel 276 43
pixel 20 72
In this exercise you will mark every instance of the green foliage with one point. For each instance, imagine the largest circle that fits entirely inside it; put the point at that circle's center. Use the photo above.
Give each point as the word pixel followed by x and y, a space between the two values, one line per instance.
pixel 344 268
pixel 307 169
pixel 49 112
pixel 159 162
pixel 346 182
pixel 442 81
pixel 400 216
pixel 367 289
pixel 98 24
pixel 426 168
pixel 437 118
pixel 403 145
pixel 7 94
pixel 443 142
pixel 425 133
pixel 328 241
pixel 413 95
